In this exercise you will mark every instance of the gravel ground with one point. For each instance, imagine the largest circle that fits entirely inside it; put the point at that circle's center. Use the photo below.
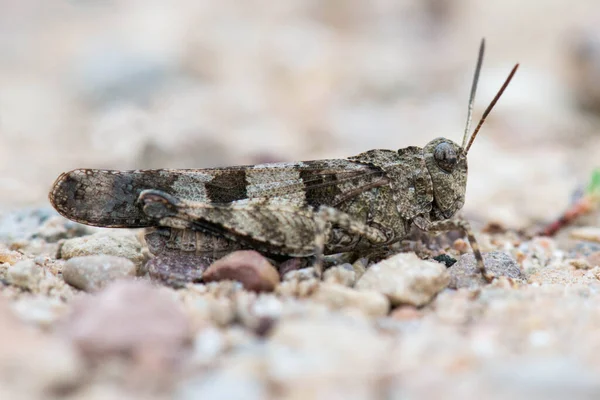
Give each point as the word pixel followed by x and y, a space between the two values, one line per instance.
pixel 141 84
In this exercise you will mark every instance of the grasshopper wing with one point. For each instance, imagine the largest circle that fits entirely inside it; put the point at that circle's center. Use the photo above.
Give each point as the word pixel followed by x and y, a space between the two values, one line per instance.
pixel 109 198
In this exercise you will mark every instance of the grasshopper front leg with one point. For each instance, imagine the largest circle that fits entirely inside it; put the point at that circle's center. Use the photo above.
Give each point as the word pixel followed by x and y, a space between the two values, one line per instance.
pixel 457 224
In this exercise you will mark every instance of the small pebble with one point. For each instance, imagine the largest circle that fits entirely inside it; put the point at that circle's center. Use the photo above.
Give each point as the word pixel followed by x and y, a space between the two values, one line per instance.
pixel 132 318
pixel 445 259
pixel 248 267
pixel 465 274
pixel 10 256
pixel 406 313
pixel 588 233
pixel 303 274
pixel 405 279
pixel 461 246
pixel 259 312
pixel 297 288
pixel 580 263
pixel 121 244
pixel 239 376
pixel 57 227
pixel 336 296
pixel 494 227
pixel 594 259
pixel 342 274
pixel 25 274
pixel 37 363
pixel 39 310
pixel 304 354
pixel 583 249
pixel 563 273
pixel 91 273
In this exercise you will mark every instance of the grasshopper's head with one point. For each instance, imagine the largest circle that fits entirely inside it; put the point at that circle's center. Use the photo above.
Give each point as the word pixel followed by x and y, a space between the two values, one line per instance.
pixel 447 165
pixel 447 161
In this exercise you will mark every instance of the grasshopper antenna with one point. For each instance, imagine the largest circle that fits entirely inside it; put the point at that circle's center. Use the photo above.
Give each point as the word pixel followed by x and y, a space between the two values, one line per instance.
pixel 491 106
pixel 473 91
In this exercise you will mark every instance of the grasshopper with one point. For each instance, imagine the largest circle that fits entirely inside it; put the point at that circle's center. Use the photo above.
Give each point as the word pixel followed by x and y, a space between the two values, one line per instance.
pixel 298 209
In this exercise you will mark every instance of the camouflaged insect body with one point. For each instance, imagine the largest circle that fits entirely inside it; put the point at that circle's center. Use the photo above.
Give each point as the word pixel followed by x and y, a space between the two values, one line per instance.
pixel 296 209
pixel 273 207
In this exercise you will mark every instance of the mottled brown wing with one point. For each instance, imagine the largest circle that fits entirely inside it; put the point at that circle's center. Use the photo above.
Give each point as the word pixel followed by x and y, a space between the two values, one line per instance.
pixel 109 198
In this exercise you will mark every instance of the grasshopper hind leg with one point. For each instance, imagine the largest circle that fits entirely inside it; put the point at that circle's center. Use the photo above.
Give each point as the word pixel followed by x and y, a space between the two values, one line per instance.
pixel 326 217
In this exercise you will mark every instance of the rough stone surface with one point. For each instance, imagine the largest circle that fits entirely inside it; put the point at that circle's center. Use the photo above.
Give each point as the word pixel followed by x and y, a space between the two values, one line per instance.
pixel 9 256
pixel 593 259
pixel 343 274
pixel 298 288
pixel 303 274
pixel 258 312
pixel 131 318
pixel 33 364
pixel 25 274
pixel 464 273
pixel 588 233
pixel 406 313
pixel 91 273
pixel 309 358
pixel 39 310
pixel 564 274
pixel 205 306
pixel 113 243
pixel 57 227
pixel 248 267
pixel 336 296
pixel 405 279
pixel 240 376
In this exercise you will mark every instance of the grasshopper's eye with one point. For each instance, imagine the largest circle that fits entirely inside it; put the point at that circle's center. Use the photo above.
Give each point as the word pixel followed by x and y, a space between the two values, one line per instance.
pixel 445 156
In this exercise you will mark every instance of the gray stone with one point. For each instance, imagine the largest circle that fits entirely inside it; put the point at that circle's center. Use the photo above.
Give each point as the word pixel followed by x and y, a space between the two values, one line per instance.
pixel 57 227
pixel 464 273
pixel 405 279
pixel 24 224
pixel 91 273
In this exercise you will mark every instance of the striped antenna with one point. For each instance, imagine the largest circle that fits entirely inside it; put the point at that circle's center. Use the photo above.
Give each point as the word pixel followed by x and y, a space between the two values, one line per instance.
pixel 473 91
pixel 491 106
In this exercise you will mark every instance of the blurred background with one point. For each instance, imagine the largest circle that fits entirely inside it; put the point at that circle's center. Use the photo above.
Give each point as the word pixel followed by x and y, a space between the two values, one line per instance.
pixel 192 84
